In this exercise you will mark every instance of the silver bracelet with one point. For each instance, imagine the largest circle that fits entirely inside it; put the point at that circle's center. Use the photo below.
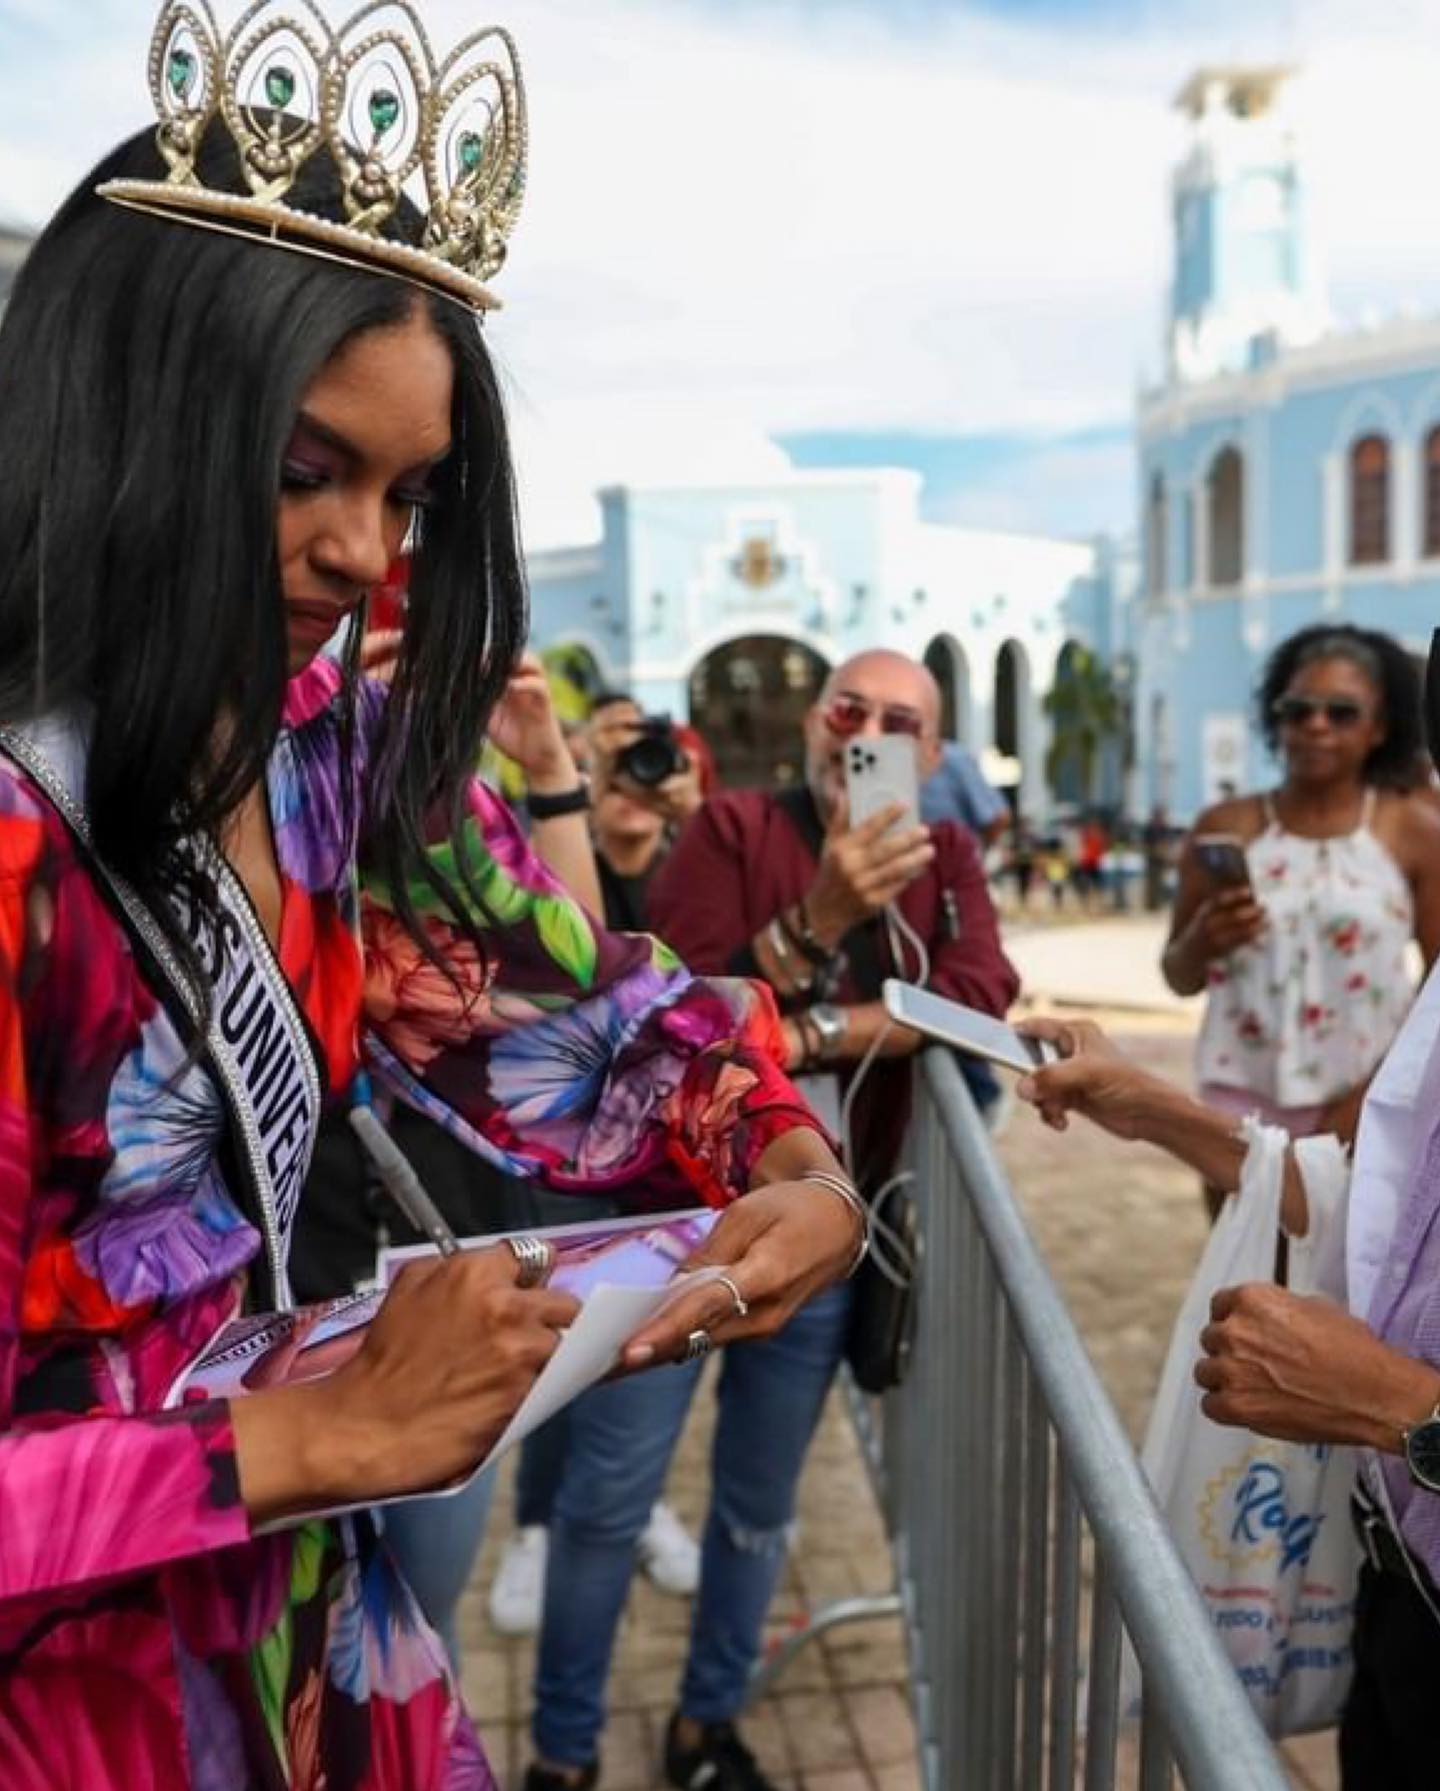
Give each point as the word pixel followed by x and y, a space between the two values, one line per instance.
pixel 850 1194
pixel 786 961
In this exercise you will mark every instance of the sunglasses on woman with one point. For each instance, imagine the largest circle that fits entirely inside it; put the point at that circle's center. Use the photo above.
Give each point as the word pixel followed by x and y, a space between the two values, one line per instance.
pixel 846 714
pixel 1340 712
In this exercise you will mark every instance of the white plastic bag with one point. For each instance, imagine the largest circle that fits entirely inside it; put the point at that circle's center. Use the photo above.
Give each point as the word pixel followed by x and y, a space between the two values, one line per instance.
pixel 1264 1526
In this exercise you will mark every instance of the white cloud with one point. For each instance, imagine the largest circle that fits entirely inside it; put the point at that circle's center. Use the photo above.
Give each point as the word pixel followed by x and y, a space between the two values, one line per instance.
pixel 1069 488
pixel 775 219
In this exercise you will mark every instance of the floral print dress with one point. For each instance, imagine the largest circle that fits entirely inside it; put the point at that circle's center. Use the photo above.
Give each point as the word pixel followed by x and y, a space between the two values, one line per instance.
pixel 1305 1012
pixel 149 1640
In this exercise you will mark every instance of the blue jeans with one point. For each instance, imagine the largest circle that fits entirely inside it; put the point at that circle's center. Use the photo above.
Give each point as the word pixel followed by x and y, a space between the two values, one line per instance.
pixel 539 1471
pixel 434 1543
pixel 621 1438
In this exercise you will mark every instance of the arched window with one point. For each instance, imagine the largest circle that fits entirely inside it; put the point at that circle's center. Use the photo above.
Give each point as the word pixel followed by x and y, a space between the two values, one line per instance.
pixel 1369 500
pixel 1156 525
pixel 1432 494
pixel 1226 496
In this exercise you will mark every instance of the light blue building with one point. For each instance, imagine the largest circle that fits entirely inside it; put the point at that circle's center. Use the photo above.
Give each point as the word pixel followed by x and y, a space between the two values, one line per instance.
pixel 1289 473
pixel 725 603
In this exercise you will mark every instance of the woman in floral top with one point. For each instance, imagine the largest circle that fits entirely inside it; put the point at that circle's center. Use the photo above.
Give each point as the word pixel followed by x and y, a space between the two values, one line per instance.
pixel 212 448
pixel 1306 966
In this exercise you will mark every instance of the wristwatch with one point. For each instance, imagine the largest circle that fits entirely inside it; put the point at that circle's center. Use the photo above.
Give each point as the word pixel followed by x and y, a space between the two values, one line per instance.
pixel 1421 1443
pixel 831 1023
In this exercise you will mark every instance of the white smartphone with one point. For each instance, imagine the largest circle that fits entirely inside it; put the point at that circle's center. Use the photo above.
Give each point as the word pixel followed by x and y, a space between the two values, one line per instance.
pixel 881 770
pixel 966 1028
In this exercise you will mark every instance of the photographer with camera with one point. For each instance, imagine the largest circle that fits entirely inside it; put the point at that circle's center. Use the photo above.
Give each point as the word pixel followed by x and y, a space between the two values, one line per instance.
pixel 645 758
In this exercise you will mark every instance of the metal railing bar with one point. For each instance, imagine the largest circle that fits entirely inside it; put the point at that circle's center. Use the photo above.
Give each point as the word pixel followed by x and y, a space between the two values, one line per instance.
pixel 1010 1524
pixel 1065 1638
pixel 1155 1772
pixel 864 1607
pixel 980 1478
pixel 1215 1734
pixel 1033 1602
pixel 1102 1703
pixel 956 1237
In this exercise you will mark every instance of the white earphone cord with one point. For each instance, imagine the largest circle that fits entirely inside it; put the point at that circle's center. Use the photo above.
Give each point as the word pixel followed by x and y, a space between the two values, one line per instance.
pixel 896 1260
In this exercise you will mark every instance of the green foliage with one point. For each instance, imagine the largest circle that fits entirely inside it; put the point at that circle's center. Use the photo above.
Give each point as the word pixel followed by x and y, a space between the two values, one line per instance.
pixel 1086 715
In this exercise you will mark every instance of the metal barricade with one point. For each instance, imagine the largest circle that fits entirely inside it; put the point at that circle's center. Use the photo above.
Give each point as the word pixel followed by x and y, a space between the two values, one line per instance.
pixel 1027 1543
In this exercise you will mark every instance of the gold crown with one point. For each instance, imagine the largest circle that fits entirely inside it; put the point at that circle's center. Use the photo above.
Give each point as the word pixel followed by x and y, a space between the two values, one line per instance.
pixel 374 95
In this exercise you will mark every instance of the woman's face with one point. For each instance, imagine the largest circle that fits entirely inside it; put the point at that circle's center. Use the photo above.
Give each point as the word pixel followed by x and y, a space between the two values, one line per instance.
pixel 372 426
pixel 1330 721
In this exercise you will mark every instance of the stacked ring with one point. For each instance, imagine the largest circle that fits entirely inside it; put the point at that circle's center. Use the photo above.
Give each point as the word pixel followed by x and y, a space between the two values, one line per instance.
pixel 533 1255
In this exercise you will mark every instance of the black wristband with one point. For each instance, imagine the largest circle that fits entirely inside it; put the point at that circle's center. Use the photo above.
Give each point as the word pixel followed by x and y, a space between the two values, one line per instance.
pixel 564 802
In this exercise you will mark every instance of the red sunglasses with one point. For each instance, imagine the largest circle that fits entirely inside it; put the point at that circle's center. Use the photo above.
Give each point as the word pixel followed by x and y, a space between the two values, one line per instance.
pixel 846 714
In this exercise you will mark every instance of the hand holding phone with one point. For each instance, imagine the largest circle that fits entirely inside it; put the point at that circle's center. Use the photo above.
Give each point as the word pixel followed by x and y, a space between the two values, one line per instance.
pixel 869 857
pixel 1222 858
pixel 966 1028
pixel 1230 916
pixel 881 771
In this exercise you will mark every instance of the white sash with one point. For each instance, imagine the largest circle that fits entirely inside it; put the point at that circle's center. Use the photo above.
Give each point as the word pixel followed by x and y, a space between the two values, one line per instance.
pixel 256 1041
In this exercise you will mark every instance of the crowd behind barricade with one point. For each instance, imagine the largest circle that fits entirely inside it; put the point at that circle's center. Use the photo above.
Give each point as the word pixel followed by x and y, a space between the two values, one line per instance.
pixel 1295 909
pixel 784 889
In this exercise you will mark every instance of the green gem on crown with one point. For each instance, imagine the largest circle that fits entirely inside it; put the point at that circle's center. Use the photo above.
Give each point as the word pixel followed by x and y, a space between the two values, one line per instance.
pixel 180 72
pixel 470 149
pixel 279 87
pixel 384 109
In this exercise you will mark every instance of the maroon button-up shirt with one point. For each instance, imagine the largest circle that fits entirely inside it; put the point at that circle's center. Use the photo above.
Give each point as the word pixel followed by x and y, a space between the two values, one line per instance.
pixel 743 857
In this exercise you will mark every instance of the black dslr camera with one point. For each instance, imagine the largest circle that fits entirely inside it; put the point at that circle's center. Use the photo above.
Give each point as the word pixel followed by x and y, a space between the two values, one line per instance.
pixel 654 756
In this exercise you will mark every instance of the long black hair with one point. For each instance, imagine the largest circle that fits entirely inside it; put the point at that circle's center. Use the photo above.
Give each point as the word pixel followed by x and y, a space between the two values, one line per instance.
pixel 150 373
pixel 1395 762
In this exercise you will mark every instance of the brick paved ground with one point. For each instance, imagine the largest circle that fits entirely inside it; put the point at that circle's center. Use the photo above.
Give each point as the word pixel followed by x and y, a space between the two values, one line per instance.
pixel 840 1720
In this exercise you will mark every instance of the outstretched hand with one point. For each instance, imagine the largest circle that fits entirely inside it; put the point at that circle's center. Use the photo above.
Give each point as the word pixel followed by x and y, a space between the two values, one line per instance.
pixel 1094 1078
pixel 780 1245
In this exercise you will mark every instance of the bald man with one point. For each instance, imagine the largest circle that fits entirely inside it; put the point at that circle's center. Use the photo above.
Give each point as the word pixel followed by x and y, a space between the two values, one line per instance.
pixel 779 886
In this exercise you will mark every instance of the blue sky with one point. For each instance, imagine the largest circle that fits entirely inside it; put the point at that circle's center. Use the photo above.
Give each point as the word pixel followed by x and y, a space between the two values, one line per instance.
pixel 930 234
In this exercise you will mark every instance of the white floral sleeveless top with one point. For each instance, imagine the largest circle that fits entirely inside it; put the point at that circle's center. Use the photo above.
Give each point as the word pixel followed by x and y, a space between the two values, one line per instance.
pixel 1308 1010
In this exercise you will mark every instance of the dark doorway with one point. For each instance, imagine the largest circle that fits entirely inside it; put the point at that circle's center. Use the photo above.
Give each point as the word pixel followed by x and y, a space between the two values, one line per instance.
pixel 748 698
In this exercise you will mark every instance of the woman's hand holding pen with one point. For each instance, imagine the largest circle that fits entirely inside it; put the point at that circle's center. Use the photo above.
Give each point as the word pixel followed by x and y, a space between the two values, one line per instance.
pixel 446 1363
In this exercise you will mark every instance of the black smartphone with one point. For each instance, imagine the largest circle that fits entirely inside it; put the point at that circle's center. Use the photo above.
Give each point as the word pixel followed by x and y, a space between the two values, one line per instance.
pixel 1222 858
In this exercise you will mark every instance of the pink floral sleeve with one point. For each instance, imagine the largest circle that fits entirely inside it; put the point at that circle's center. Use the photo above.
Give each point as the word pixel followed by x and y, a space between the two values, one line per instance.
pixel 82 1499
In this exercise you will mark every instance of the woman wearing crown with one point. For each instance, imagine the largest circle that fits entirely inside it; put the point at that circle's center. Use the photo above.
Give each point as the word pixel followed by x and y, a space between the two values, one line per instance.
pixel 237 370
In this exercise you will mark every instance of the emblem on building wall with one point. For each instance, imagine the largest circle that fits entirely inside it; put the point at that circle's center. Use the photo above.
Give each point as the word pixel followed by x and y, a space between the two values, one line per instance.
pixel 758 564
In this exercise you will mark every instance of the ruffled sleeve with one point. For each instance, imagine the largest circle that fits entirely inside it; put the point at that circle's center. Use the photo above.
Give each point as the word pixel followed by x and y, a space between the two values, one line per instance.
pixel 83 1500
pixel 586 1059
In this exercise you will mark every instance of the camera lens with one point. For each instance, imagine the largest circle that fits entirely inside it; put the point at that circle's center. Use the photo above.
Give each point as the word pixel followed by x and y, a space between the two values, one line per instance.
pixel 655 756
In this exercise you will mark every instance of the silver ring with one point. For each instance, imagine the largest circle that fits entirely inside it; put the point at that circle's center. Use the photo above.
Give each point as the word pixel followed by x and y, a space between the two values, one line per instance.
pixel 742 1305
pixel 533 1256
pixel 698 1345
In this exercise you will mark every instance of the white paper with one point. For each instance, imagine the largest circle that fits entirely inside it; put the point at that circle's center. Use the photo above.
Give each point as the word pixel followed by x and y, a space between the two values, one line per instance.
pixel 589 1350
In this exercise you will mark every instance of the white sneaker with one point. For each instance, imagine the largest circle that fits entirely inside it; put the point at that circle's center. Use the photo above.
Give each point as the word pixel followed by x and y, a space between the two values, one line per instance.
pixel 669 1554
pixel 517 1597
